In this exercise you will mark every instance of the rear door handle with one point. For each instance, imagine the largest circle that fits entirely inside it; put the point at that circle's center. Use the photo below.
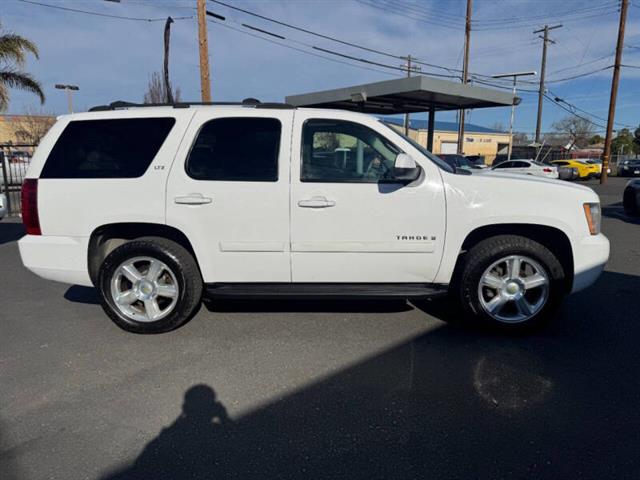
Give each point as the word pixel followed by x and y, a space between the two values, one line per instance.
pixel 316 202
pixel 193 199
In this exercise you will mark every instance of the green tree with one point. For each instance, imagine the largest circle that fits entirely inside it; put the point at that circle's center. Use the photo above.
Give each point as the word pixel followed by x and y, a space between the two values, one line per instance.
pixel 596 139
pixel 624 143
pixel 13 53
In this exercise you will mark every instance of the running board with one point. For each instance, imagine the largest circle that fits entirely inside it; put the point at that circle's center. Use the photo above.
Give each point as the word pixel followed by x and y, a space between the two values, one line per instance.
pixel 324 290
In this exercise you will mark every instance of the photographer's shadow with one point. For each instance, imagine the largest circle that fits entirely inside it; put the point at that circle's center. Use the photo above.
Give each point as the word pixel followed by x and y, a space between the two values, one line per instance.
pixel 193 446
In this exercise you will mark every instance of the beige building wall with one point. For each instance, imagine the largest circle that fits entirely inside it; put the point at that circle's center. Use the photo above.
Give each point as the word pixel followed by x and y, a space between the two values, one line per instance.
pixel 24 128
pixel 485 144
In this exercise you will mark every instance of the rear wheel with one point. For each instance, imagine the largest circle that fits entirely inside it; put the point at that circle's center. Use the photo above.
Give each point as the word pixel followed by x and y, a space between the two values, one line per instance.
pixel 150 285
pixel 510 282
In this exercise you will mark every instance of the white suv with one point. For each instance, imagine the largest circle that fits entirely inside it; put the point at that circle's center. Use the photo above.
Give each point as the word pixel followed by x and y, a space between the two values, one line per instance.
pixel 158 206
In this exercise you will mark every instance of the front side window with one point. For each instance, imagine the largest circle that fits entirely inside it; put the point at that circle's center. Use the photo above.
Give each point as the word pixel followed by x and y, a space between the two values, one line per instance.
pixel 342 151
pixel 114 148
pixel 236 149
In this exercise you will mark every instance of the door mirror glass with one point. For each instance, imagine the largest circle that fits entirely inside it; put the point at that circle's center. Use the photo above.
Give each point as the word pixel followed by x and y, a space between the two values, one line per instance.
pixel 405 168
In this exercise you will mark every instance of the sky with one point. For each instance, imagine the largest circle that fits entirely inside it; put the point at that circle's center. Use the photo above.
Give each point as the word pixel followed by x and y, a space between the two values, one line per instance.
pixel 112 58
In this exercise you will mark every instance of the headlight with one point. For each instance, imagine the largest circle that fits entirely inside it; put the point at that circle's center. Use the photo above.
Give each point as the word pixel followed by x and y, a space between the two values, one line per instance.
pixel 594 217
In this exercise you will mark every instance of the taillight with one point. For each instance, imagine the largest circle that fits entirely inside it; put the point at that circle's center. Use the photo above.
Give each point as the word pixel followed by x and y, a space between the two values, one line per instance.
pixel 30 217
pixel 547 170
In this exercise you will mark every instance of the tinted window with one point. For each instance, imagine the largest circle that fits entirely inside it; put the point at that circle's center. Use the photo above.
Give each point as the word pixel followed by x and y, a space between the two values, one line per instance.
pixel 236 149
pixel 119 148
pixel 522 165
pixel 340 151
pixel 504 165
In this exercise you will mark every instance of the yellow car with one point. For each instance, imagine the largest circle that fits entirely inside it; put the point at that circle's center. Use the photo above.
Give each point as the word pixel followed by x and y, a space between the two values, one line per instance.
pixel 585 170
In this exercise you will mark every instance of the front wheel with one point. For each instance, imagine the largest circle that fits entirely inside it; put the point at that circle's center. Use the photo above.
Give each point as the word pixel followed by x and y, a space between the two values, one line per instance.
pixel 150 285
pixel 510 282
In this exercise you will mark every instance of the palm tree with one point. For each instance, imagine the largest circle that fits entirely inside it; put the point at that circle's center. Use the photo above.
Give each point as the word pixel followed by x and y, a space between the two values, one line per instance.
pixel 13 52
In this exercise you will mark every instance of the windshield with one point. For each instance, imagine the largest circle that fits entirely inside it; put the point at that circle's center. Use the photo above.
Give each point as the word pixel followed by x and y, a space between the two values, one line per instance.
pixel 438 161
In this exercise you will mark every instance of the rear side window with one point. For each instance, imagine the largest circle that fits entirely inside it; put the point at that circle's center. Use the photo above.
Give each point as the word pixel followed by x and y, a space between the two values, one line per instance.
pixel 118 148
pixel 236 149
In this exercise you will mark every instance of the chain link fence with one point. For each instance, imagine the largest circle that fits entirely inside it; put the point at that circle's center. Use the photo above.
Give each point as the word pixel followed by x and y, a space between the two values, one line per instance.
pixel 14 162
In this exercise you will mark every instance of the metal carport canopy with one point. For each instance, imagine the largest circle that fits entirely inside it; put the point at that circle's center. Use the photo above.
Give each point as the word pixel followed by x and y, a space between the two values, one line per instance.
pixel 405 95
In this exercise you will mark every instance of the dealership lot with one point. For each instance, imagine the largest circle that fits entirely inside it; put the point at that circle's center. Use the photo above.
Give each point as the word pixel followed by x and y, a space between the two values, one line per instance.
pixel 320 389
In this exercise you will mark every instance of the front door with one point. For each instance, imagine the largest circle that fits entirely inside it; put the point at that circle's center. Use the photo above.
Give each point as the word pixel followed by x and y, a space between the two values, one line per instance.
pixel 349 221
pixel 228 191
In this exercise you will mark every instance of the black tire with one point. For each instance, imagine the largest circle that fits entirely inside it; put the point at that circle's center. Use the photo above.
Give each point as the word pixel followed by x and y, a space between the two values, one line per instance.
pixel 478 259
pixel 631 200
pixel 174 256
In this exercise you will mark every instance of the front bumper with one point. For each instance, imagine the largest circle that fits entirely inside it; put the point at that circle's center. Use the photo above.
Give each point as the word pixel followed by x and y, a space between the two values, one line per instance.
pixel 590 255
pixel 63 259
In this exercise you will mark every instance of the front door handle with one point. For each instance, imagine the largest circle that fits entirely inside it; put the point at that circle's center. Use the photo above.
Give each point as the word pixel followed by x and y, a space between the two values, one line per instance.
pixel 316 202
pixel 193 199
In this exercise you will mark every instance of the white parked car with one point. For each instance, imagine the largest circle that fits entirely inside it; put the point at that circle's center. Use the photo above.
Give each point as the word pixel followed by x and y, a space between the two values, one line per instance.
pixel 169 204
pixel 527 167
pixel 3 206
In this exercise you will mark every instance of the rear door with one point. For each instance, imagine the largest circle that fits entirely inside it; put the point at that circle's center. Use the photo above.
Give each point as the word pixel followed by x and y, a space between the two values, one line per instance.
pixel 229 192
pixel 347 223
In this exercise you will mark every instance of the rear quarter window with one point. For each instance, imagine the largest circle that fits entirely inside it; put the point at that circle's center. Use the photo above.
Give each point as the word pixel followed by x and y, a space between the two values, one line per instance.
pixel 114 148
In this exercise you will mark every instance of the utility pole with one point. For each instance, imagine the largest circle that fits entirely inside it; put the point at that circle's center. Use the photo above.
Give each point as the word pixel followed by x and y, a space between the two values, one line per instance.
pixel 167 84
pixel 69 89
pixel 409 68
pixel 205 83
pixel 614 92
pixel 515 76
pixel 465 74
pixel 545 39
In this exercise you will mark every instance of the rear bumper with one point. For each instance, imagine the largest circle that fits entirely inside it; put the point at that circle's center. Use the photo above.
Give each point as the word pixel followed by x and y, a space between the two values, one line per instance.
pixel 590 255
pixel 63 259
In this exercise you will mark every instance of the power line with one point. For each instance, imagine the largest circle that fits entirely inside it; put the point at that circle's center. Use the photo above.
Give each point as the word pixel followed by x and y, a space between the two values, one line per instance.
pixel 574 107
pixel 580 75
pixel 552 100
pixel 454 71
pixel 582 64
pixel 485 25
pixel 300 29
pixel 98 14
pixel 313 47
pixel 299 49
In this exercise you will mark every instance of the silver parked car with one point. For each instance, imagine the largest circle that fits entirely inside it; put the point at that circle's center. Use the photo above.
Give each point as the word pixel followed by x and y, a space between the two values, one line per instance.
pixel 527 167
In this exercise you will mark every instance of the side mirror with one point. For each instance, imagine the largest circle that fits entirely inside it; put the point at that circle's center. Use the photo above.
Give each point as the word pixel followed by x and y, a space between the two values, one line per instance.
pixel 405 168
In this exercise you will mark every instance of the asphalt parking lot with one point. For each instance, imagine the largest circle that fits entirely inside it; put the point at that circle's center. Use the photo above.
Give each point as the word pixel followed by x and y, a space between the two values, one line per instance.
pixel 320 389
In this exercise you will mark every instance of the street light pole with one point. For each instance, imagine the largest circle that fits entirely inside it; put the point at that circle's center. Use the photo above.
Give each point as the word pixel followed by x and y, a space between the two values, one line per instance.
pixel 515 76
pixel 69 89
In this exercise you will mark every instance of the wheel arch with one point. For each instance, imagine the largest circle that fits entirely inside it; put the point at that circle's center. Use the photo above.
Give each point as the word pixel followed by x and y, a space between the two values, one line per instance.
pixel 105 238
pixel 551 237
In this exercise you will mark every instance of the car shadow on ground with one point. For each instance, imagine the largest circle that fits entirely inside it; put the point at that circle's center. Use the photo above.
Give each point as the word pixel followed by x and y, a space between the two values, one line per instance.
pixel 450 403
pixel 10 231
pixel 80 294
pixel 616 210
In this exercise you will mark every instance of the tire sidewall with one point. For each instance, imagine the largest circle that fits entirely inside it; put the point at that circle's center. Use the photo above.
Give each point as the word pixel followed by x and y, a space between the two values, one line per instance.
pixel 139 248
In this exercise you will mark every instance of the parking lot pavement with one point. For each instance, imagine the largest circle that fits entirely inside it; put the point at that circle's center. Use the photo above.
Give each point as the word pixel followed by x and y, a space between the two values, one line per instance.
pixel 320 389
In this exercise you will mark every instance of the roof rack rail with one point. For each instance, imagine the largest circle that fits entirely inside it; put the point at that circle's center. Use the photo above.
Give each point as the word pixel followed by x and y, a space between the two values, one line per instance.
pixel 247 102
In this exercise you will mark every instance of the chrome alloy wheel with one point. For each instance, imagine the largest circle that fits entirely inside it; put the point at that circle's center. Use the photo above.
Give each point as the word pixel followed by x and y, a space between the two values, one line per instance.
pixel 513 289
pixel 144 289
